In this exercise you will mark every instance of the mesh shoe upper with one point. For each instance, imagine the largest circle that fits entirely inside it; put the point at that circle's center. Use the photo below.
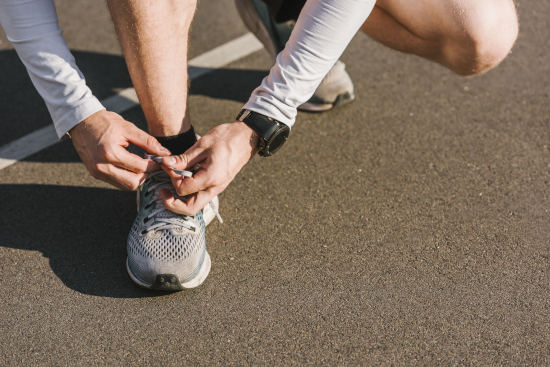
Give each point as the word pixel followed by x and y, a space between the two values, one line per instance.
pixel 162 242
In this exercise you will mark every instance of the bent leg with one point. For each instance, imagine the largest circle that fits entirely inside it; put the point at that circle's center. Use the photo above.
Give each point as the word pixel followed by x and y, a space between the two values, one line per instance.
pixel 467 36
pixel 154 36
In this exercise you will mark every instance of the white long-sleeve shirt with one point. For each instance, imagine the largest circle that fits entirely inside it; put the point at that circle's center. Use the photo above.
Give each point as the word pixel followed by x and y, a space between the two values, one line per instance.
pixel 322 32
pixel 32 27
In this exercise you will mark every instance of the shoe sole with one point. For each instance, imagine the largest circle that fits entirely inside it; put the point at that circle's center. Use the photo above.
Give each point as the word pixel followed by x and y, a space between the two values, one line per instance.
pixel 171 282
pixel 321 106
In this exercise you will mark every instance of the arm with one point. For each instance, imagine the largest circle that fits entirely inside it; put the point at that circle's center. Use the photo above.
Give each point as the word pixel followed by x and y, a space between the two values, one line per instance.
pixel 32 28
pixel 100 137
pixel 322 32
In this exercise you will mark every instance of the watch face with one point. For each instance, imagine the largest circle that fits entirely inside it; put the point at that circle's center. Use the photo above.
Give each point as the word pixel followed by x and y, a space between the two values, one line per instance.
pixel 277 140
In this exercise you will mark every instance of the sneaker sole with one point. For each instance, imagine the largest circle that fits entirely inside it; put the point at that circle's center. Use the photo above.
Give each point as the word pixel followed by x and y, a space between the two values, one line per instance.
pixel 170 282
pixel 317 105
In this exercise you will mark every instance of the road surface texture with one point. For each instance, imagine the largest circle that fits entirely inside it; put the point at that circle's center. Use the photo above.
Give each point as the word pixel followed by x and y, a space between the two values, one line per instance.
pixel 410 227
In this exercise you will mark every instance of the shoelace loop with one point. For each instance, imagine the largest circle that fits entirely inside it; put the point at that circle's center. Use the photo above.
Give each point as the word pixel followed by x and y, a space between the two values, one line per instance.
pixel 160 223
pixel 154 223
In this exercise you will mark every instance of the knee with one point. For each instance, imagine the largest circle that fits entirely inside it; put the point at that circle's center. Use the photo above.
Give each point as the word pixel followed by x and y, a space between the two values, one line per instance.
pixel 486 38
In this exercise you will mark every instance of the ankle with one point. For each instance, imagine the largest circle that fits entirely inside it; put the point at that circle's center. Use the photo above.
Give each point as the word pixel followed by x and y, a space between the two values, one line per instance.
pixel 178 144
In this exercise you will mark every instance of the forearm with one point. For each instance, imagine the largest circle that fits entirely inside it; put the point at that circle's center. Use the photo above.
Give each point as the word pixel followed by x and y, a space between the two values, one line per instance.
pixel 154 38
pixel 322 32
pixel 32 28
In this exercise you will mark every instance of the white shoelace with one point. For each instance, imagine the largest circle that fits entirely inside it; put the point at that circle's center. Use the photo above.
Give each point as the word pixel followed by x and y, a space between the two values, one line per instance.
pixel 153 222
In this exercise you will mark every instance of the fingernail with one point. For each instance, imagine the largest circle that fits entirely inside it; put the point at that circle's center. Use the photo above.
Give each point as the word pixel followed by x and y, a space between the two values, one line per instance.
pixel 169 160
pixel 164 150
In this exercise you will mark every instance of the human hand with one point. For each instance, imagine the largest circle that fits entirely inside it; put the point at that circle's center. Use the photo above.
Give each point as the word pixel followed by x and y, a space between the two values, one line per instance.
pixel 221 153
pixel 100 141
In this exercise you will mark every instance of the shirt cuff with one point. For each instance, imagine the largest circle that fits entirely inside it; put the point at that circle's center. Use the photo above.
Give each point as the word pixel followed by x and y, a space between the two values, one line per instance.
pixel 77 114
pixel 268 105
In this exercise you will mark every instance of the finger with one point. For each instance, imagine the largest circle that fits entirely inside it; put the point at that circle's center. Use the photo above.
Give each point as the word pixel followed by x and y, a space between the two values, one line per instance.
pixel 131 162
pixel 143 140
pixel 176 179
pixel 120 177
pixel 190 185
pixel 187 160
pixel 191 206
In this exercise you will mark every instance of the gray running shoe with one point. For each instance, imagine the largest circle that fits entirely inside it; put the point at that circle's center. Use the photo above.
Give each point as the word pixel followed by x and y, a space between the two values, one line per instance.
pixel 335 89
pixel 167 251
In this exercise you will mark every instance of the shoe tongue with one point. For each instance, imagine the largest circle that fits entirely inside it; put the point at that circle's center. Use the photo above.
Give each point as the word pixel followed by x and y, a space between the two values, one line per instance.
pixel 164 180
pixel 166 214
pixel 159 176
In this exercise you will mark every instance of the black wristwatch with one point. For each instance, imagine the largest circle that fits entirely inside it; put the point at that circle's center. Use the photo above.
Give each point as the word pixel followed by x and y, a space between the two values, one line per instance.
pixel 272 133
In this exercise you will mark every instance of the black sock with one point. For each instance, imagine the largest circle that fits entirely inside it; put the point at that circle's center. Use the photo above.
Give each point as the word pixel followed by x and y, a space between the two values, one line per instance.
pixel 284 10
pixel 178 144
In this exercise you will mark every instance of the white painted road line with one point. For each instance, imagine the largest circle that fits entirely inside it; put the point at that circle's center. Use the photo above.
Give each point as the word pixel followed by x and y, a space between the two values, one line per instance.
pixel 124 100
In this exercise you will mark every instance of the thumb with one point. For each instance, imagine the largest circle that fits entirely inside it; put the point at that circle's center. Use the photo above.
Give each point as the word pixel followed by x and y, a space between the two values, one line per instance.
pixel 143 140
pixel 186 160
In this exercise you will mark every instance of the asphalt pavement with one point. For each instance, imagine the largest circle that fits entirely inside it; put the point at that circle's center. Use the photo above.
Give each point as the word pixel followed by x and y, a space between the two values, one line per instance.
pixel 410 227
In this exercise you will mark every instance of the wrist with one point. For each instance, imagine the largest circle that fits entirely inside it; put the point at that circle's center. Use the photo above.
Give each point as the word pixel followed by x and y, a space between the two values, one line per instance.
pixel 74 130
pixel 249 135
pixel 271 133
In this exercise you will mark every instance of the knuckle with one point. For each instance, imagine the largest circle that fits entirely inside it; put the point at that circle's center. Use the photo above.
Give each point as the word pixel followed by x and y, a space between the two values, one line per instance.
pixel 133 185
pixel 113 115
pixel 180 191
pixel 219 181
pixel 127 126
pixel 193 210
pixel 182 160
pixel 101 149
pixel 105 153
pixel 100 171
pixel 103 169
pixel 204 142
pixel 151 141
pixel 215 181
pixel 110 156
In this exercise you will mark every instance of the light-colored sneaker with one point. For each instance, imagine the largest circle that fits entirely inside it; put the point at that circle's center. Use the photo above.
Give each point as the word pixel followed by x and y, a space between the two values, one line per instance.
pixel 335 89
pixel 167 251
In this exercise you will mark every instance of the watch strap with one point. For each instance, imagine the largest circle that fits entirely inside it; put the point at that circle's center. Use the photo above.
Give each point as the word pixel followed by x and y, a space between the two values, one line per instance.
pixel 264 126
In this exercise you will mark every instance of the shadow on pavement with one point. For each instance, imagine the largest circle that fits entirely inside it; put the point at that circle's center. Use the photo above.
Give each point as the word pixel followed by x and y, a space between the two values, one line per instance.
pixel 229 84
pixel 104 74
pixel 23 109
pixel 82 231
